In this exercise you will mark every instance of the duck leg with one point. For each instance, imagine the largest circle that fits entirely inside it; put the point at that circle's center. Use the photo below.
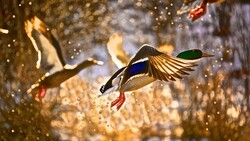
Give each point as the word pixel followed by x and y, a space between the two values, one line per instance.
pixel 199 11
pixel 119 101
pixel 41 93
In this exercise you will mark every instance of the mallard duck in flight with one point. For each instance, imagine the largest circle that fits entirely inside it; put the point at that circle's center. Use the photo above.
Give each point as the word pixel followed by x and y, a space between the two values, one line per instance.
pixel 55 79
pixel 196 8
pixel 148 65
pixel 49 52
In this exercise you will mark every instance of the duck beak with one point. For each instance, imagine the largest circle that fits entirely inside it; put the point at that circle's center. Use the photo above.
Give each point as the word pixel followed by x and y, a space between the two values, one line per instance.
pixel 206 55
pixel 99 63
pixel 95 61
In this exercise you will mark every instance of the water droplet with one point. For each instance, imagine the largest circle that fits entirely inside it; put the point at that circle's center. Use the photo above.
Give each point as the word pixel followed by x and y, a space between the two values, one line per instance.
pixel 13 16
pixel 78 99
pixel 12 130
pixel 30 3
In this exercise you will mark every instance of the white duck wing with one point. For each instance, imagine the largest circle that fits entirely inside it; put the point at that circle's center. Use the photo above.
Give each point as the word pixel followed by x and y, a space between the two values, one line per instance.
pixel 47 47
pixel 118 55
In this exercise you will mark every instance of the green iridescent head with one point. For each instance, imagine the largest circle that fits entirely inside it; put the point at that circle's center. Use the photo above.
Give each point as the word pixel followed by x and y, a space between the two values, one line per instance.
pixel 193 54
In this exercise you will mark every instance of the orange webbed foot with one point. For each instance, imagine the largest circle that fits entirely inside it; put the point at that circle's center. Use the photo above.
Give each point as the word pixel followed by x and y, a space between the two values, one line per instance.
pixel 119 101
pixel 198 12
pixel 41 93
pixel 113 103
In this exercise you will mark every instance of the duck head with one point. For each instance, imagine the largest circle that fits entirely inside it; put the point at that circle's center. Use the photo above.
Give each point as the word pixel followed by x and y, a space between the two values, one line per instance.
pixel 109 87
pixel 193 54
pixel 113 83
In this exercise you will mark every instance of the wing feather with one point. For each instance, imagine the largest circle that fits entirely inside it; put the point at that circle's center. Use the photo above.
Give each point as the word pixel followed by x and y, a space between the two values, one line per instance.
pixel 48 48
pixel 43 28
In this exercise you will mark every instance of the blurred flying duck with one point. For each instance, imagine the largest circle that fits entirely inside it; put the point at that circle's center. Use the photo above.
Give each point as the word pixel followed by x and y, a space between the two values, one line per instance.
pixel 196 8
pixel 55 79
pixel 50 55
pixel 148 65
pixel 118 55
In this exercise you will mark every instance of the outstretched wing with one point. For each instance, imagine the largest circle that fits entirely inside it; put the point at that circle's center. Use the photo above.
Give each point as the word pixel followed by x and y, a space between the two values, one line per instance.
pixel 188 5
pixel 118 55
pixel 160 66
pixel 48 48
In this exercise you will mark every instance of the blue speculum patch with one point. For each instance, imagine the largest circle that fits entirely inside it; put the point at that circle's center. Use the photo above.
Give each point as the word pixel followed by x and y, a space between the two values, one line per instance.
pixel 138 68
